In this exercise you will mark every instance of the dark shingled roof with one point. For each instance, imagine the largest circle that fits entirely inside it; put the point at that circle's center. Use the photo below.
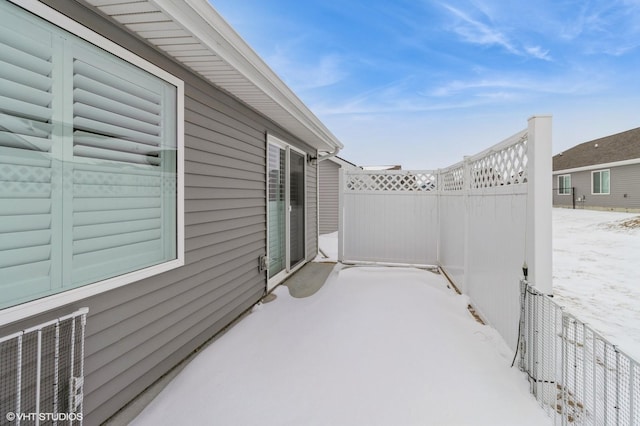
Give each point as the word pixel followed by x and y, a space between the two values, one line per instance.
pixel 618 147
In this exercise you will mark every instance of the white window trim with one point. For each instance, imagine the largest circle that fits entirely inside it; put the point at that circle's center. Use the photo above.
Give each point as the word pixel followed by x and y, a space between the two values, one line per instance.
pixel 560 187
pixel 34 307
pixel 599 171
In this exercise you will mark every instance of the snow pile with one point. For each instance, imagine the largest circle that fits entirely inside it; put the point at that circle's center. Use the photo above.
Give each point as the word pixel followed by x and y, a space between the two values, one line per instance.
pixel 595 275
pixel 375 346
pixel 328 246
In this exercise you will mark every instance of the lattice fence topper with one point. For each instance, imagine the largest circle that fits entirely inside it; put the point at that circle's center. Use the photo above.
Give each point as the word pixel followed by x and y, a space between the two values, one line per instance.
pixel 507 166
pixel 453 180
pixel 391 182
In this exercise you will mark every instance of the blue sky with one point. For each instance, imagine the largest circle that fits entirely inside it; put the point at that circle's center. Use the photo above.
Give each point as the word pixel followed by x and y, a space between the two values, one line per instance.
pixel 422 83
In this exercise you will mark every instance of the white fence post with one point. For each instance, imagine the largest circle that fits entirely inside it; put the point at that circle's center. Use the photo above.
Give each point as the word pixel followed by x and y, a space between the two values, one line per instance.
pixel 340 214
pixel 539 203
pixel 466 190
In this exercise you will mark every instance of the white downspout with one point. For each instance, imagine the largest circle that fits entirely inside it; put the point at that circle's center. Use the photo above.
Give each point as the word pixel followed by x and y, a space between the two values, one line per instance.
pixel 318 160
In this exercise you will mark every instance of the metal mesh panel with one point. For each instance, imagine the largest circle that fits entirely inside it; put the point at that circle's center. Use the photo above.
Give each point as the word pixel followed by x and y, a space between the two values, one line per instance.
pixel 9 354
pixel 577 375
pixel 41 372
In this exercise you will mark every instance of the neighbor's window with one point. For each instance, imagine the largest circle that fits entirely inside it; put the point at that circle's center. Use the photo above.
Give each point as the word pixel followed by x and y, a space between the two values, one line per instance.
pixel 600 182
pixel 564 184
pixel 88 162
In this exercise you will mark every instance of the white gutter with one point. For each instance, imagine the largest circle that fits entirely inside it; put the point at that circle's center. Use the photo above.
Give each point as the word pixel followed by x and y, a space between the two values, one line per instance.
pixel 329 155
pixel 598 166
pixel 199 18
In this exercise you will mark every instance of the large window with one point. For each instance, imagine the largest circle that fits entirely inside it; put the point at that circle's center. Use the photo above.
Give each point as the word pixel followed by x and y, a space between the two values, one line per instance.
pixel 564 184
pixel 600 182
pixel 89 158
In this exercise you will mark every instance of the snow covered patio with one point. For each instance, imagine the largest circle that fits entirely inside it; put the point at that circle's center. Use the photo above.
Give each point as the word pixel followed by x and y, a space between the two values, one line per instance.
pixel 375 345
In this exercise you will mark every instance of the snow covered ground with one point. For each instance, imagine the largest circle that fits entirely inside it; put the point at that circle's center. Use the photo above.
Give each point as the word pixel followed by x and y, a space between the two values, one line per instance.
pixel 375 346
pixel 596 273
pixel 396 346
pixel 328 246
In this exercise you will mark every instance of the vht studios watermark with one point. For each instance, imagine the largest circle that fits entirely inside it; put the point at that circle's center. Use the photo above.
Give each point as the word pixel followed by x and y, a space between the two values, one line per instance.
pixel 54 417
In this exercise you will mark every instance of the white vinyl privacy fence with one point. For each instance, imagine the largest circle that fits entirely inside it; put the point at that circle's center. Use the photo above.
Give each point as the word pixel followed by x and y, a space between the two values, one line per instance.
pixel 388 217
pixel 480 220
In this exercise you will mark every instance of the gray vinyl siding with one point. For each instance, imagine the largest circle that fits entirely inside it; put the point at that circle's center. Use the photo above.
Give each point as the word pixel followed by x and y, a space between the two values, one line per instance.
pixel 623 180
pixel 328 197
pixel 137 332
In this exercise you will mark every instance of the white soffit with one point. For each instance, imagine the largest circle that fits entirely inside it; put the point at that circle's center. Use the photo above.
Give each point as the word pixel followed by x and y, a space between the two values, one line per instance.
pixel 194 34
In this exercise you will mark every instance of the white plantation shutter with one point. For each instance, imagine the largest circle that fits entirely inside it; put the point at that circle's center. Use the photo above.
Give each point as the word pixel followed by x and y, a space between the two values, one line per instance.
pixel 122 177
pixel 27 208
pixel 87 162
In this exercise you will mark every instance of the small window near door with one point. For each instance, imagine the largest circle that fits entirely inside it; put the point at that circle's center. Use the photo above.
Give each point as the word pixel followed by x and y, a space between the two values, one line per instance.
pixel 564 184
pixel 600 182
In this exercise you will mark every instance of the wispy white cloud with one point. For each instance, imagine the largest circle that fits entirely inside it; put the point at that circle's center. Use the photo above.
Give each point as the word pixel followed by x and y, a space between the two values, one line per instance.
pixel 538 52
pixel 476 32
pixel 293 65
pixel 402 97
pixel 600 27
pixel 483 31
pixel 397 99
pixel 575 82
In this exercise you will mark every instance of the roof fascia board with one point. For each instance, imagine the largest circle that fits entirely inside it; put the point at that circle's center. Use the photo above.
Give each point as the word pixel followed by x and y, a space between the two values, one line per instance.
pixel 200 19
pixel 598 166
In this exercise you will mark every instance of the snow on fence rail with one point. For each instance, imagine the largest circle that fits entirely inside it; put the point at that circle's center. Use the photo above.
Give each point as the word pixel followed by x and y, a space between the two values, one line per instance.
pixel 480 220
pixel 576 375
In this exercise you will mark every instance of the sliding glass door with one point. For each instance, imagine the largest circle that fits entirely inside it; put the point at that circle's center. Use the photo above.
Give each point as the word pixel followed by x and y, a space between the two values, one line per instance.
pixel 297 211
pixel 286 210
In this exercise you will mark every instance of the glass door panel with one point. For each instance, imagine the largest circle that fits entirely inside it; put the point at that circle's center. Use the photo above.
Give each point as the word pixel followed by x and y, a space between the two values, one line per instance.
pixel 296 210
pixel 276 228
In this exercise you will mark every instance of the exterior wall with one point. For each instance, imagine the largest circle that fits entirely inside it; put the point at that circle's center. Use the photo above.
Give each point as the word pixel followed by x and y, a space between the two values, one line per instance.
pixel 137 332
pixel 328 196
pixel 624 180
pixel 565 200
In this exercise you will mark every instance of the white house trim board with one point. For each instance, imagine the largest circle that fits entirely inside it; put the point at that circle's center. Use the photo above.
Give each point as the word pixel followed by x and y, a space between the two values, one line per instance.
pixel 598 166
pixel 34 307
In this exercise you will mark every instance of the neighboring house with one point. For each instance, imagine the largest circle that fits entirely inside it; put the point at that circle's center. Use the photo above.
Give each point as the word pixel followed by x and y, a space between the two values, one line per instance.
pixel 600 174
pixel 329 191
pixel 149 161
